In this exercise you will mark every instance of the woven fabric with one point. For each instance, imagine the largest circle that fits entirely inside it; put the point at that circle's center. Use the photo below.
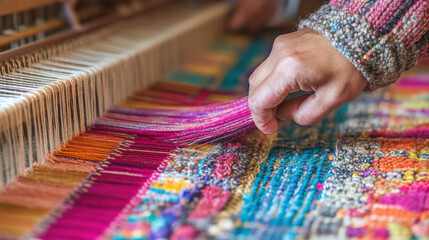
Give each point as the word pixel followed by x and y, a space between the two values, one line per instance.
pixel 361 173
pixel 370 182
pixel 378 185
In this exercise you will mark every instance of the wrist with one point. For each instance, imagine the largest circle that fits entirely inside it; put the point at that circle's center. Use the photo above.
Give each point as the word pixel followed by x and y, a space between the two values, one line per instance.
pixel 377 57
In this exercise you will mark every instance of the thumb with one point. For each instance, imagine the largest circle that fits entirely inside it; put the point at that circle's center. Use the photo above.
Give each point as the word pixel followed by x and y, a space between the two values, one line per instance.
pixel 263 102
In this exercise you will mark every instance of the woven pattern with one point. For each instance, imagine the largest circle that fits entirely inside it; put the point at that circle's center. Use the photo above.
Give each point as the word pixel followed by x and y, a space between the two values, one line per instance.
pixel 289 181
pixel 193 188
pixel 377 187
pixel 369 183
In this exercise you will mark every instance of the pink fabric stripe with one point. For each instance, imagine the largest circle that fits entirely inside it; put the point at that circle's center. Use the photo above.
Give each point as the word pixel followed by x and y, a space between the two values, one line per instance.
pixel 355 6
pixel 338 3
pixel 90 211
pixel 424 52
pixel 413 25
pixel 419 23
pixel 381 12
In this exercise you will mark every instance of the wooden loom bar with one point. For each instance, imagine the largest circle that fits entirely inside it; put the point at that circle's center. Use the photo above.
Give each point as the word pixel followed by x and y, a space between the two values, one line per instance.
pixel 14 6
pixel 68 34
pixel 47 26
pixel 31 31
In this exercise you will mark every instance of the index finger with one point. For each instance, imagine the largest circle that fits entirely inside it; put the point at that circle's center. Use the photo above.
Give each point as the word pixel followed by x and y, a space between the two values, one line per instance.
pixel 263 102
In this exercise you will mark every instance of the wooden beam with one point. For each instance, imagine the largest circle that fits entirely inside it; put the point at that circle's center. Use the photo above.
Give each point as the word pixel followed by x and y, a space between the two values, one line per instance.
pixel 15 6
pixel 68 34
pixel 45 27
pixel 31 31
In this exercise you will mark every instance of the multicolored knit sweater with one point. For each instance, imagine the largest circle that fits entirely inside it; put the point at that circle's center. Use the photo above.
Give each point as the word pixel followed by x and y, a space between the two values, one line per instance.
pixel 382 38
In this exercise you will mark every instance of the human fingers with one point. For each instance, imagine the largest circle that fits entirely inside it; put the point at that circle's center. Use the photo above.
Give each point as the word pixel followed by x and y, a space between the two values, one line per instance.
pixel 261 72
pixel 309 109
pixel 263 102
pixel 274 60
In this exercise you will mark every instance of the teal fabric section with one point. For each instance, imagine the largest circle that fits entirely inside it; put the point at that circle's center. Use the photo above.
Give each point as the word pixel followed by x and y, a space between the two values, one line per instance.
pixel 288 183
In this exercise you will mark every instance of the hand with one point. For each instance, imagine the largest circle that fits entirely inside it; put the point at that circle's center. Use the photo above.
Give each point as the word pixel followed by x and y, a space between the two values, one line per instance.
pixel 252 15
pixel 303 60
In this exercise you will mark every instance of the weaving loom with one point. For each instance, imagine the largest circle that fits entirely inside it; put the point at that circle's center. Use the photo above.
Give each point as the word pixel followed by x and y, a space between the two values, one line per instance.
pixel 139 129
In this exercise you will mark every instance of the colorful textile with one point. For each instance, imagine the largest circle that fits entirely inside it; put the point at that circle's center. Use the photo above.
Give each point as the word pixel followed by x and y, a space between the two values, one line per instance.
pixel 371 182
pixel 361 173
pixel 382 38
pixel 271 195
pixel 377 187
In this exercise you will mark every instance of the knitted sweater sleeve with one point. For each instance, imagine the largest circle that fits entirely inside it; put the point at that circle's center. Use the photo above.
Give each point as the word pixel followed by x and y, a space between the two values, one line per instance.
pixel 382 38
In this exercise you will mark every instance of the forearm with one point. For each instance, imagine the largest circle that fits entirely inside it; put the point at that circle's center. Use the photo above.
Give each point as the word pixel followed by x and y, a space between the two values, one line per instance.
pixel 381 38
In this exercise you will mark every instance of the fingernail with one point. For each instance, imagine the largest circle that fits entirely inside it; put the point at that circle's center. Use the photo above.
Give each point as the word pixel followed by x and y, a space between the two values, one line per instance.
pixel 271 132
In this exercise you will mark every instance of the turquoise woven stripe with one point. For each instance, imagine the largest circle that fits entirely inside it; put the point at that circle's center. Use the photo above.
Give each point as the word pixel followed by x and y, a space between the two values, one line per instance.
pixel 289 181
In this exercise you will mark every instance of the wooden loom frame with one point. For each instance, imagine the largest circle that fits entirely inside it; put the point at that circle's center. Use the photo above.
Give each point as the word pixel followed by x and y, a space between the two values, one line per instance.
pixel 67 34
